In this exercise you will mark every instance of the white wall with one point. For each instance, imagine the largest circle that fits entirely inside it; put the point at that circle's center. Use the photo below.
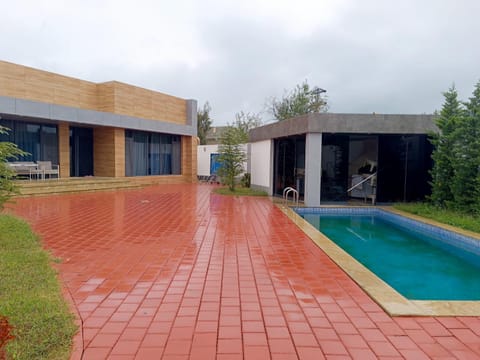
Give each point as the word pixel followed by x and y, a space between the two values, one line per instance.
pixel 203 158
pixel 261 165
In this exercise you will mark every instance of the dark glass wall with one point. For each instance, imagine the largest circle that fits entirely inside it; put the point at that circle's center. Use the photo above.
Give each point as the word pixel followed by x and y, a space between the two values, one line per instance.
pixel 148 153
pixel 81 151
pixel 38 139
pixel 289 164
pixel 334 184
pixel 404 163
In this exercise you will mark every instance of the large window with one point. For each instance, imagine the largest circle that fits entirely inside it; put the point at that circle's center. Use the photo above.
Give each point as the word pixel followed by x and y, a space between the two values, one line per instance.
pixel 148 153
pixel 39 140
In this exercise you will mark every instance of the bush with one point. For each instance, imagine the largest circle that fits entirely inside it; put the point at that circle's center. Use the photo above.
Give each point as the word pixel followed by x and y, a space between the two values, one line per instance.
pixel 8 151
pixel 245 180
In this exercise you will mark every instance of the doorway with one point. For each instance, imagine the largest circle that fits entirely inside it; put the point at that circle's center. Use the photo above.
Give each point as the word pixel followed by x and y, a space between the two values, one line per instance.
pixel 81 151
pixel 289 167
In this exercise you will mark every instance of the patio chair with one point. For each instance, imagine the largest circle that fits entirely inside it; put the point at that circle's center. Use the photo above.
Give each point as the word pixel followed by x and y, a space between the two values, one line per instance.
pixel 23 169
pixel 46 168
pixel 213 179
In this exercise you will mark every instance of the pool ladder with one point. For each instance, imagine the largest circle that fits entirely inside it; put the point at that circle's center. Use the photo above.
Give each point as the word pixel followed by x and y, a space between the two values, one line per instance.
pixel 286 192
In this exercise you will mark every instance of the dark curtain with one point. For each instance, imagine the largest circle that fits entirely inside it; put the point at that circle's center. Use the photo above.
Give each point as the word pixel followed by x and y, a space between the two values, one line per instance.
pixel 176 155
pixel 155 154
pixel 39 140
pixel 149 153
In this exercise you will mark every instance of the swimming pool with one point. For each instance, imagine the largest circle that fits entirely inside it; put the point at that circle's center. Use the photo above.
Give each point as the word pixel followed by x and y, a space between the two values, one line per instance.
pixel 419 265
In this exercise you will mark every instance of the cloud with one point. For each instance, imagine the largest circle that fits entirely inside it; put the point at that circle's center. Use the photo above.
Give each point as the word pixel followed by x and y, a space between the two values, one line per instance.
pixel 370 56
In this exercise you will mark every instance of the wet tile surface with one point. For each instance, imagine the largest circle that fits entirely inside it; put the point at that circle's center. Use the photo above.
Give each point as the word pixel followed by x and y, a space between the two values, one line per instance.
pixel 177 272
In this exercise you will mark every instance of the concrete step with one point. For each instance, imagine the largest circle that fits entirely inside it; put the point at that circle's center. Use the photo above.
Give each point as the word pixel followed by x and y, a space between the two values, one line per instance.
pixel 73 185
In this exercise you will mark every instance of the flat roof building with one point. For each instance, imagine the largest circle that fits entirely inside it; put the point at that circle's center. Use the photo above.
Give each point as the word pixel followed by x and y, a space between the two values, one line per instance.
pixel 106 129
pixel 323 156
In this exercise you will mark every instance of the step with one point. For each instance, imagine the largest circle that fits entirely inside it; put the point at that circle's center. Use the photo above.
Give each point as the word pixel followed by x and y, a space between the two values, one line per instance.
pixel 47 187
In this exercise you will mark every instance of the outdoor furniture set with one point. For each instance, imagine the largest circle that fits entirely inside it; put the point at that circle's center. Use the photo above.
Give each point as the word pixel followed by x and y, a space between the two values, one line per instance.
pixel 34 170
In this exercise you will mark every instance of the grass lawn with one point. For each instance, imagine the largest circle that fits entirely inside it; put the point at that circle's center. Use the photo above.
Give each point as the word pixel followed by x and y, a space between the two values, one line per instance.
pixel 460 220
pixel 239 191
pixel 30 296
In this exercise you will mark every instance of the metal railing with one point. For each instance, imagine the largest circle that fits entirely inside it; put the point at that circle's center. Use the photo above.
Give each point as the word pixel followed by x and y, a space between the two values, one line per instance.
pixel 286 193
pixel 373 196
pixel 361 182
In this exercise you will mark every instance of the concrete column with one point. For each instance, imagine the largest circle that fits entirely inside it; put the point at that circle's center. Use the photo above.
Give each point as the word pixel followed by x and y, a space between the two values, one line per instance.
pixel 313 169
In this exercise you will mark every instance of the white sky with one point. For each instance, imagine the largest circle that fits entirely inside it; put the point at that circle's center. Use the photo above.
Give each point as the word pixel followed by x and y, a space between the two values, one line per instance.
pixel 378 56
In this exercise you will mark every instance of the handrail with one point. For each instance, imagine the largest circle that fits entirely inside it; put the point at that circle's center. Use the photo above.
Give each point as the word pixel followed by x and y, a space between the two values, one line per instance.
pixel 361 182
pixel 286 192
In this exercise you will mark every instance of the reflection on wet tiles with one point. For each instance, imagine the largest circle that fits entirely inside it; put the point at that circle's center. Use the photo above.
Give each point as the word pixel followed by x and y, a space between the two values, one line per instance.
pixel 188 270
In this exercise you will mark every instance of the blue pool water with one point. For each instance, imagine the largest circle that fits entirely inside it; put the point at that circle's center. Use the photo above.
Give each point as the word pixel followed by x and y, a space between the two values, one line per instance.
pixel 420 261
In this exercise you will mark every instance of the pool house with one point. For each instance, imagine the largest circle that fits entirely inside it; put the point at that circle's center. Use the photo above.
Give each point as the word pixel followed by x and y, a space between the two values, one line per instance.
pixel 335 157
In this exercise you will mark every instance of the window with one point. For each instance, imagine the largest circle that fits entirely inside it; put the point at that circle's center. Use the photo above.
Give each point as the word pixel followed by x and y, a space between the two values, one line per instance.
pixel 39 140
pixel 148 153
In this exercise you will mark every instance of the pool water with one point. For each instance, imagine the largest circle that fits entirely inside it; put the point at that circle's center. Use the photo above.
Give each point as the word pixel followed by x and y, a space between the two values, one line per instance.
pixel 416 264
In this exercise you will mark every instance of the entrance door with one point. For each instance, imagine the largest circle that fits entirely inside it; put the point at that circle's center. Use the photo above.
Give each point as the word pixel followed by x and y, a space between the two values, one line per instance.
pixel 289 168
pixel 215 164
pixel 81 151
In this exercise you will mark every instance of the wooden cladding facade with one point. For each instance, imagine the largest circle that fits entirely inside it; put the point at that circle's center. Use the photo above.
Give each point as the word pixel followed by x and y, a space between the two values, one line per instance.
pixel 22 82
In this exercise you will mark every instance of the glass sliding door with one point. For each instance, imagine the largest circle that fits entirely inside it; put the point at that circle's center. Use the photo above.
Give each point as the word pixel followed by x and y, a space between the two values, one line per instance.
pixel 289 168
pixel 154 155
pixel 335 154
pixel 39 140
pixel 81 151
pixel 176 155
pixel 148 153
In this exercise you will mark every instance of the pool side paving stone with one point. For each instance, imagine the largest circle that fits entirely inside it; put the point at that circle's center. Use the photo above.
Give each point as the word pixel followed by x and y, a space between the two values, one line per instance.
pixel 178 272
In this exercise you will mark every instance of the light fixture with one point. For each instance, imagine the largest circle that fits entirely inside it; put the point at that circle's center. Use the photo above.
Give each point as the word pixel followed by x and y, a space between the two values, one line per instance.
pixel 317 91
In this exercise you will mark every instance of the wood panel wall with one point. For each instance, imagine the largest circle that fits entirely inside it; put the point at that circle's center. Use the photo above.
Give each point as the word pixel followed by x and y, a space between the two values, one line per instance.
pixel 27 83
pixel 189 158
pixel 109 152
pixel 64 149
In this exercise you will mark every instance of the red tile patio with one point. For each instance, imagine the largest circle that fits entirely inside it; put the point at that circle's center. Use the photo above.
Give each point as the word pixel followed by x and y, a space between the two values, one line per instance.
pixel 177 272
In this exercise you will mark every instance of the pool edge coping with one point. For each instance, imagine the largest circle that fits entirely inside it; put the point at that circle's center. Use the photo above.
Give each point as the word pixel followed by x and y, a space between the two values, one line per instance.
pixel 383 294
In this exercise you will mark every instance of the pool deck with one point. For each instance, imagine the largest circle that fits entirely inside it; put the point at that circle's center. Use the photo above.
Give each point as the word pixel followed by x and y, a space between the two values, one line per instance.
pixel 177 272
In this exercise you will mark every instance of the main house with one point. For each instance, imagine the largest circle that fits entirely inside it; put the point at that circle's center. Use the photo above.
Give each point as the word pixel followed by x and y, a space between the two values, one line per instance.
pixel 106 129
pixel 334 157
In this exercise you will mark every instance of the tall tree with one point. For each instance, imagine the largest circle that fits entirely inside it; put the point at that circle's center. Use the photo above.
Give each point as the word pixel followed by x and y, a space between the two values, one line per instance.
pixel 443 168
pixel 231 155
pixel 245 121
pixel 204 123
pixel 466 153
pixel 300 101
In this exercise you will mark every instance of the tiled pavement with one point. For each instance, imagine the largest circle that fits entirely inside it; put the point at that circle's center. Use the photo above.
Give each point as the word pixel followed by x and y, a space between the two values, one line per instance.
pixel 177 272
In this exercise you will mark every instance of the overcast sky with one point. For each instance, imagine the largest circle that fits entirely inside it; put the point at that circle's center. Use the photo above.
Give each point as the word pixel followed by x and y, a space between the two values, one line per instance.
pixel 380 56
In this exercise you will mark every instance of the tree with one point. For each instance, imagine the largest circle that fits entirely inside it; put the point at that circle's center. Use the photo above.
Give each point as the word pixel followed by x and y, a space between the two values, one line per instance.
pixel 300 101
pixel 231 155
pixel 204 123
pixel 245 121
pixel 466 154
pixel 456 170
pixel 8 151
pixel 443 168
